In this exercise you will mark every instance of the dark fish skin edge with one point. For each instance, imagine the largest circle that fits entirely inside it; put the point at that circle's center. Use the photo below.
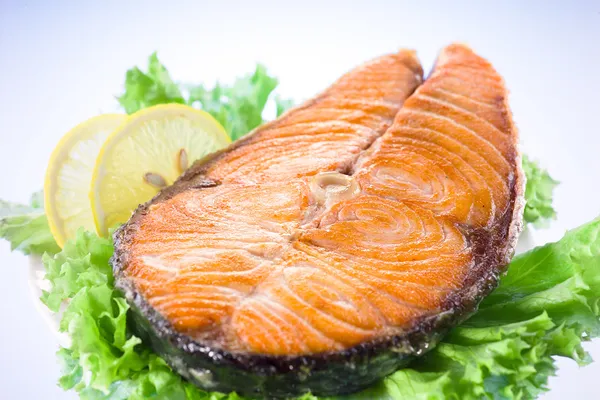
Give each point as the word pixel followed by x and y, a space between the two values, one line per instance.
pixel 323 374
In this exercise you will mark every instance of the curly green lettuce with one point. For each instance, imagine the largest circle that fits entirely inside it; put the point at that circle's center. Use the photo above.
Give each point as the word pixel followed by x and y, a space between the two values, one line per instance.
pixel 69 271
pixel 538 193
pixel 26 226
pixel 546 305
pixel 145 89
pixel 239 107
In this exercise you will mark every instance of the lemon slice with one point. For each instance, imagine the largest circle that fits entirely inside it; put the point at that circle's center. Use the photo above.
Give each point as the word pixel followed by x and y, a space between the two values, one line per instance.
pixel 149 152
pixel 69 175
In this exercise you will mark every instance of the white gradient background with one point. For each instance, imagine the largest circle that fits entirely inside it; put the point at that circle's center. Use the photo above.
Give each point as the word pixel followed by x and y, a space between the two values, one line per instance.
pixel 62 62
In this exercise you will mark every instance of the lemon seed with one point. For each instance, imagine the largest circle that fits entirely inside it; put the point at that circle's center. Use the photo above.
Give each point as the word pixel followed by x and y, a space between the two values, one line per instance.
pixel 183 161
pixel 155 180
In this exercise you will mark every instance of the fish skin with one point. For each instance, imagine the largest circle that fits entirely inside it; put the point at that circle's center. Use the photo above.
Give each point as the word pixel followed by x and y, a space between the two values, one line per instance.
pixel 412 254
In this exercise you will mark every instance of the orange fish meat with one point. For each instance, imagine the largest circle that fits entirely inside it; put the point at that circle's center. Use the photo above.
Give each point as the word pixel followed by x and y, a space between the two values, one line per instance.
pixel 374 216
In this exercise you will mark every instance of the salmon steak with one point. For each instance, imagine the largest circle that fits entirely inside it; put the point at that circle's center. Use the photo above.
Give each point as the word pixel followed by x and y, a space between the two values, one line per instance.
pixel 330 247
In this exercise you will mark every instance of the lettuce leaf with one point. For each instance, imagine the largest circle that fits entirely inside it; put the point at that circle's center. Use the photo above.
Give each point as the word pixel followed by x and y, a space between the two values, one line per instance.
pixel 538 193
pixel 26 226
pixel 69 271
pixel 145 89
pixel 239 107
pixel 545 306
pixel 282 105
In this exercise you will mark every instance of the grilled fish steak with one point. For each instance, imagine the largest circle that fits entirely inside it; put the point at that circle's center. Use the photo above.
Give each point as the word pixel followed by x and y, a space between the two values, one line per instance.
pixel 331 246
